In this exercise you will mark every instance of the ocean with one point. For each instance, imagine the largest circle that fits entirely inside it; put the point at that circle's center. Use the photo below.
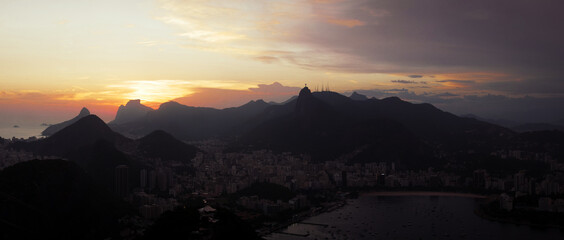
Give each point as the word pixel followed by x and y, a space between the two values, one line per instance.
pixel 23 131
pixel 405 216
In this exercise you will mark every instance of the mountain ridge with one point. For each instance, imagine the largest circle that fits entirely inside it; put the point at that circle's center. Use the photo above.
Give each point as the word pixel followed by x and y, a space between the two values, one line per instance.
pixel 132 111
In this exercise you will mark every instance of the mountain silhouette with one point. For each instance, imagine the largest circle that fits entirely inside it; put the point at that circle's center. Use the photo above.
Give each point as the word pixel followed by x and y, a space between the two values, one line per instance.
pixel 318 126
pixel 160 144
pixel 96 147
pixel 328 125
pixel 192 123
pixel 71 139
pixel 92 145
pixel 132 111
pixel 358 97
pixel 57 127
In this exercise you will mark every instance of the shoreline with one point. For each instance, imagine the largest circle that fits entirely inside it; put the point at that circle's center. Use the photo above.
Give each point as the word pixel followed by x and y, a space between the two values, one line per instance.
pixel 305 215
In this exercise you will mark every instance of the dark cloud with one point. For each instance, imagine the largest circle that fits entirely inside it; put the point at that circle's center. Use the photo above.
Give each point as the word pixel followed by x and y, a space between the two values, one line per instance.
pixel 457 81
pixel 408 81
pixel 396 90
pixel 415 76
pixel 534 85
pixel 515 37
pixel 404 81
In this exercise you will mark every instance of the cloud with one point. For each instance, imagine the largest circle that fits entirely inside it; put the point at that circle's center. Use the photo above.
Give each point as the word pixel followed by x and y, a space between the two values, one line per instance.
pixel 456 81
pixel 267 59
pixel 368 36
pixel 275 88
pixel 404 81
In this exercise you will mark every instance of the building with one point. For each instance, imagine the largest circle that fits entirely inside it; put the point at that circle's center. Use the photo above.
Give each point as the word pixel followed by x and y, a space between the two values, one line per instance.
pixel 122 180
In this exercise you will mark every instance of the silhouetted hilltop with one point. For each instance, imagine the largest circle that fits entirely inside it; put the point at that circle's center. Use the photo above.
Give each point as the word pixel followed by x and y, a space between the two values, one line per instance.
pixel 90 143
pixel 98 150
pixel 70 140
pixel 253 105
pixel 57 127
pixel 358 97
pixel 132 111
pixel 55 199
pixel 160 144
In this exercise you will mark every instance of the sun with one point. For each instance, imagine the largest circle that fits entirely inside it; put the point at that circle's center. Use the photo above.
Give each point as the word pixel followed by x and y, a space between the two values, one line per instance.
pixel 157 91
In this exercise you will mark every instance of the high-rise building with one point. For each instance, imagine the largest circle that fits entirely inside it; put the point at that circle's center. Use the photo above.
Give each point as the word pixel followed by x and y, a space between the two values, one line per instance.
pixel 122 180
pixel 162 180
pixel 143 178
pixel 152 180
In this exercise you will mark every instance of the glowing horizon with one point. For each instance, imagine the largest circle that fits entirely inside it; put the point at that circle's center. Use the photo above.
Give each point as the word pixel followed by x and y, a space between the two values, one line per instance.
pixel 61 55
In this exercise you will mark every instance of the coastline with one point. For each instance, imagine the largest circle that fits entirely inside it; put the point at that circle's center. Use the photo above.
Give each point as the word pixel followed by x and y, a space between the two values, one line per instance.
pixel 301 217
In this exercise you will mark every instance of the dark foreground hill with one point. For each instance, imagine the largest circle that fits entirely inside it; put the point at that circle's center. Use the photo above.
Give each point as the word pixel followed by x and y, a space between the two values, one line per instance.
pixel 55 199
pixel 92 145
pixel 160 144
pixel 72 140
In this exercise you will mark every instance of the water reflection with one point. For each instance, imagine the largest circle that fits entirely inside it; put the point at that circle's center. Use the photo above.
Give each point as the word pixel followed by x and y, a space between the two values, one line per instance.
pixel 410 217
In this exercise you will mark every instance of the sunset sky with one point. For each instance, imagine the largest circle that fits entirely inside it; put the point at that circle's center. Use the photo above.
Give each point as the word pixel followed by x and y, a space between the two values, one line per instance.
pixel 492 58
